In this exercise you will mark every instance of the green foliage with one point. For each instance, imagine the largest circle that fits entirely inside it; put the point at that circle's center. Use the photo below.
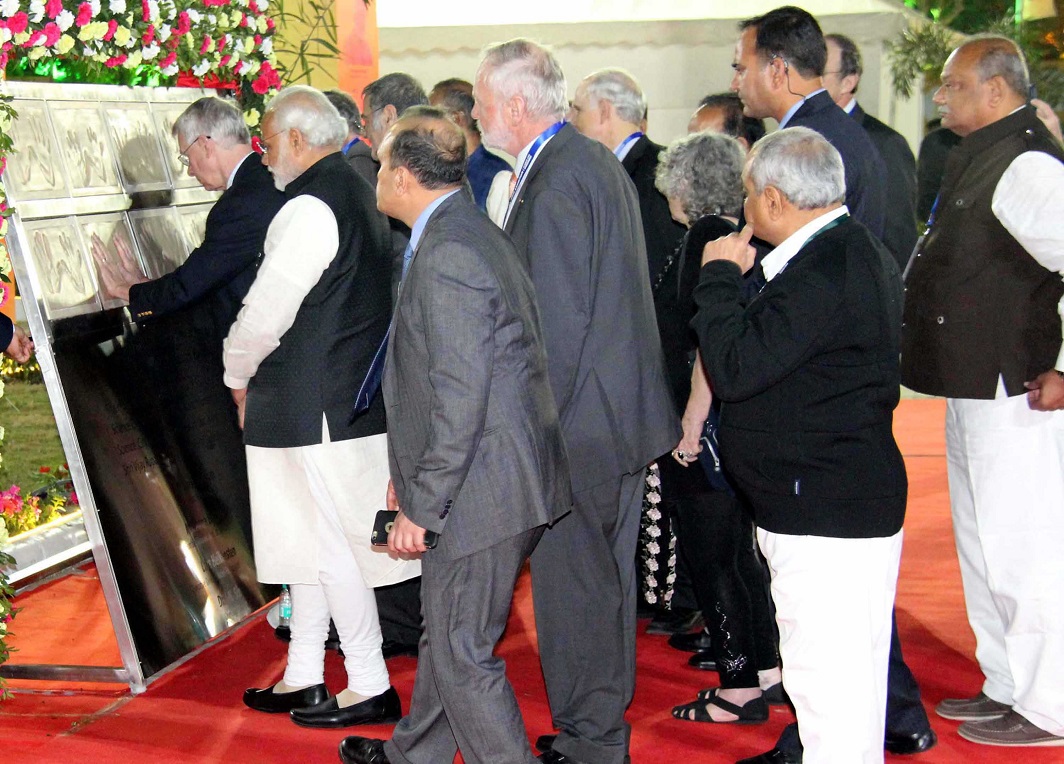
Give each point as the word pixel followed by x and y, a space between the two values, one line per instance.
pixel 318 43
pixel 918 55
pixel 7 613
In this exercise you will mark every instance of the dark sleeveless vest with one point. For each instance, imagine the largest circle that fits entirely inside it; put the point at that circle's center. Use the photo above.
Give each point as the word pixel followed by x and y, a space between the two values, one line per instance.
pixel 977 305
pixel 323 358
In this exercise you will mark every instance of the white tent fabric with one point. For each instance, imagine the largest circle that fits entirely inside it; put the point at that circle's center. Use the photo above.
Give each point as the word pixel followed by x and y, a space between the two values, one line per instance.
pixel 679 50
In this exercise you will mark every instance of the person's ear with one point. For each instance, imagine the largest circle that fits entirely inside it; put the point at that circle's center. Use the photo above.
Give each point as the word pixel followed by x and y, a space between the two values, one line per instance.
pixel 773 202
pixel 388 116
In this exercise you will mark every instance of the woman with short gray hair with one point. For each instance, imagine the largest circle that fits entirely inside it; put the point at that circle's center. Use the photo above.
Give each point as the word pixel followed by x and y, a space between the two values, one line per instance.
pixel 701 176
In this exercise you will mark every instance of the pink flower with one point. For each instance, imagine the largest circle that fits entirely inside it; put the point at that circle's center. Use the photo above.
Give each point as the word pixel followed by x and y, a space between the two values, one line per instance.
pixel 74 499
pixel 35 39
pixel 145 10
pixel 148 36
pixel 18 23
pixel 53 8
pixel 52 33
pixel 243 19
pixel 253 6
pixel 258 40
pixel 112 27
pixel 269 23
pixel 223 41
pixel 114 61
pixel 184 24
pixel 224 60
pixel 206 45
pixel 169 60
pixel 84 15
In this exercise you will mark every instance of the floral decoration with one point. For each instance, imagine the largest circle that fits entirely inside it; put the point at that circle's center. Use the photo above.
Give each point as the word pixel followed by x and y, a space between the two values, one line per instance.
pixel 657 545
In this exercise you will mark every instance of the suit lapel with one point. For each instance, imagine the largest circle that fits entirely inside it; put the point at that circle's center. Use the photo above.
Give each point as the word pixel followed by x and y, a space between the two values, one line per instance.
pixel 631 159
pixel 554 145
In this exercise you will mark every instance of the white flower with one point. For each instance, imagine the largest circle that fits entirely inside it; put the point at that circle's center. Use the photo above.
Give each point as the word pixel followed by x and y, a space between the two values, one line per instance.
pixel 194 16
pixel 652 564
pixel 163 32
pixel 153 9
pixel 672 561
pixel 652 479
pixel 64 20
pixel 654 514
pixel 95 6
pixel 238 45
pixel 242 68
pixel 150 52
pixel 5 35
pixel 651 598
pixel 171 70
pixel 267 46
pixel 653 547
pixel 653 531
pixel 653 497
pixel 263 5
pixel 201 68
pixel 670 579
pixel 9 8
pixel 117 6
pixel 212 19
pixel 668 597
pixel 36 11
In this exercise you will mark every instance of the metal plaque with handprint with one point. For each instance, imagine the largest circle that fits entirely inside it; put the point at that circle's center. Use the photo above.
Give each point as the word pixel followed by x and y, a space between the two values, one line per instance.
pixel 110 241
pixel 83 143
pixel 66 285
pixel 136 144
pixel 33 169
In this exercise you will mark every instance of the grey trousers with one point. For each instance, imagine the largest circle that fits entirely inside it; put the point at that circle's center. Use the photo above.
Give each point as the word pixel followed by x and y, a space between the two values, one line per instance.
pixel 584 592
pixel 462 699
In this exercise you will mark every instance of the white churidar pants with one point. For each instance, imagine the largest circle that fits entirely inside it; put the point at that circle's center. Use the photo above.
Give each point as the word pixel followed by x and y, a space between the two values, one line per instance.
pixel 833 601
pixel 1006 485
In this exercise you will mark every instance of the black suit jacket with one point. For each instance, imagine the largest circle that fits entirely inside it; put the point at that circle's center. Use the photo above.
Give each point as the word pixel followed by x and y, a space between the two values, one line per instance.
pixel 900 234
pixel 360 156
pixel 576 224
pixel 661 232
pixel 223 266
pixel 808 372
pixel 866 189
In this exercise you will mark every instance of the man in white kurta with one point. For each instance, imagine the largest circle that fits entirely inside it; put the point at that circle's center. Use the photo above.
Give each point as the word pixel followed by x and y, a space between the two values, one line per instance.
pixel 295 358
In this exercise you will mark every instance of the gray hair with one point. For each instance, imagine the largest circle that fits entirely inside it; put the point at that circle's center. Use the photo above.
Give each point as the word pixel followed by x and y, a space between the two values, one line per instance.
pixel 1000 57
pixel 703 172
pixel 348 109
pixel 307 110
pixel 526 68
pixel 801 163
pixel 212 116
pixel 619 88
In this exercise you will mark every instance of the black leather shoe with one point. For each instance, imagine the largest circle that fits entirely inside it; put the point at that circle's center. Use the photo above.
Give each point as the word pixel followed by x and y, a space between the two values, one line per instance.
pixel 553 757
pixel 383 709
pixel 775 756
pixel 675 621
pixel 703 661
pixel 918 742
pixel 391 649
pixel 545 743
pixel 690 642
pixel 362 750
pixel 271 702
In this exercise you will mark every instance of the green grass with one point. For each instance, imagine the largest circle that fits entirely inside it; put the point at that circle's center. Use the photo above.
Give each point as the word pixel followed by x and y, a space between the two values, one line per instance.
pixel 31 439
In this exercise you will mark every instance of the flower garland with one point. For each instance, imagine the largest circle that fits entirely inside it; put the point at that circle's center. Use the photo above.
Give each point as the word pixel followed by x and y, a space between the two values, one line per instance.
pixel 658 559
pixel 216 43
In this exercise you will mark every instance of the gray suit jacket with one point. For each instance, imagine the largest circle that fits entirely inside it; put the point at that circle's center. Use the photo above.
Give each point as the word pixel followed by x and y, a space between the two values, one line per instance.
pixel 474 441
pixel 577 224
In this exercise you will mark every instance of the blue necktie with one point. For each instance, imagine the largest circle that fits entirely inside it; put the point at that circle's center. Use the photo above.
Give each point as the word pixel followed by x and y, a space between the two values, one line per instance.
pixel 372 383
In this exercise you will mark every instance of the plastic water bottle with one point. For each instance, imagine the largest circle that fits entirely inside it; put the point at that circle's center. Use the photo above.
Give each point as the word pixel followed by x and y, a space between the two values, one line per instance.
pixel 286 606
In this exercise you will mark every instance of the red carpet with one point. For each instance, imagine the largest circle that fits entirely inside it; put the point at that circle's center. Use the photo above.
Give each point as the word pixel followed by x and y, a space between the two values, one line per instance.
pixel 194 713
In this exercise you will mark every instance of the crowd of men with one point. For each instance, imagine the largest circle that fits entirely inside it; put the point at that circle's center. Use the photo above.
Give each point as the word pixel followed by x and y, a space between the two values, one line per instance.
pixel 403 315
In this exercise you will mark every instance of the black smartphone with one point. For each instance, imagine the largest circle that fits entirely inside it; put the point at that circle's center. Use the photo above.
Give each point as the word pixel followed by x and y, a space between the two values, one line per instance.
pixel 382 526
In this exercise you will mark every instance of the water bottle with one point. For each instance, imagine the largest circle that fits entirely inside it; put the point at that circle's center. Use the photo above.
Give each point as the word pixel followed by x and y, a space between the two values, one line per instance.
pixel 286 606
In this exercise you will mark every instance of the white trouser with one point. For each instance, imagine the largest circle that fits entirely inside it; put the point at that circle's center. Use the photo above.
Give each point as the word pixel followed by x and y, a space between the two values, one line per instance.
pixel 341 593
pixel 833 601
pixel 1006 486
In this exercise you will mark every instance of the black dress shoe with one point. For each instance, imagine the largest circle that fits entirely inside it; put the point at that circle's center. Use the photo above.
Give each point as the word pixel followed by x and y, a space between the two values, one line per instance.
pixel 545 743
pixel 775 756
pixel 391 649
pixel 362 750
pixel 675 621
pixel 917 742
pixel 553 757
pixel 382 709
pixel 271 702
pixel 703 661
pixel 690 642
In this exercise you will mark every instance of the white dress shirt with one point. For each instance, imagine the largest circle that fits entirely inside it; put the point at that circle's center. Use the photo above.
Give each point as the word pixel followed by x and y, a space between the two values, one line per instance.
pixel 776 260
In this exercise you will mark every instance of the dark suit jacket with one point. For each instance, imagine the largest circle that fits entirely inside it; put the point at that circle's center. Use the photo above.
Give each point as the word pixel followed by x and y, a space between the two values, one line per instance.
pixel 808 372
pixel 866 189
pixel 223 266
pixel 474 442
pixel 360 156
pixel 661 232
pixel 7 331
pixel 900 234
pixel 576 224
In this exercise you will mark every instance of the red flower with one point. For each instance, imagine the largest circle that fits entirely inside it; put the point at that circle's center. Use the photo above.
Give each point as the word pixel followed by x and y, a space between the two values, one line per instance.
pixel 253 6
pixel 112 27
pixel 224 60
pixel 45 470
pixel 269 23
pixel 145 10
pixel 52 33
pixel 168 61
pixel 18 23
pixel 243 19
pixel 148 36
pixel 35 39
pixel 258 40
pixel 114 61
pixel 53 8
pixel 84 15
pixel 206 45
pixel 74 498
pixel 267 80
pixel 184 24
pixel 222 42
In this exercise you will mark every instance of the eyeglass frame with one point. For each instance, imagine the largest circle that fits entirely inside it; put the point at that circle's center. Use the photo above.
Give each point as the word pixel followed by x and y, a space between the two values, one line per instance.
pixel 182 156
pixel 262 140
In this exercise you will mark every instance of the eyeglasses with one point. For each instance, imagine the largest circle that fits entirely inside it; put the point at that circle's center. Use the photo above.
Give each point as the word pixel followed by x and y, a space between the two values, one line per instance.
pixel 262 141
pixel 182 156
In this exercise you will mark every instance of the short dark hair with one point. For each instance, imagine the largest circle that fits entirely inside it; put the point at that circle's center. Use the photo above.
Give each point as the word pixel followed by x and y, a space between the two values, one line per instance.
pixel 431 146
pixel 792 34
pixel 849 56
pixel 348 109
pixel 736 124
pixel 456 95
pixel 397 89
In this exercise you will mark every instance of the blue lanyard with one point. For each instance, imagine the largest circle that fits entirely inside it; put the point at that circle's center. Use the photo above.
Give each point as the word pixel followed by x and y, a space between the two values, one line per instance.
pixel 537 144
pixel 348 145
pixel 619 151
pixel 931 217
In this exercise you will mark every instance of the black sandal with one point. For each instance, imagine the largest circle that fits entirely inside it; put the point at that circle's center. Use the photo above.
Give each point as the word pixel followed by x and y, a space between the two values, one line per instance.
pixel 752 712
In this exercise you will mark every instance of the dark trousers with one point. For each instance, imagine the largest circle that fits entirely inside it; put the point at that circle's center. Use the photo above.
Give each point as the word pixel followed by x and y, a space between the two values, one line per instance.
pixel 399 611
pixel 905 712
pixel 584 593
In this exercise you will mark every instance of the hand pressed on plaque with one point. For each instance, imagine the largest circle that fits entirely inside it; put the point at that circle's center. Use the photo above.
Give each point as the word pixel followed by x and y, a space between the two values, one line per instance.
pixel 118 270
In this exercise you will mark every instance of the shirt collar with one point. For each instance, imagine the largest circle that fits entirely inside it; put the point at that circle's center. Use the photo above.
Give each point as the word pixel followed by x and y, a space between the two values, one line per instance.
pixel 419 225
pixel 626 145
pixel 848 108
pixel 232 175
pixel 776 260
pixel 791 111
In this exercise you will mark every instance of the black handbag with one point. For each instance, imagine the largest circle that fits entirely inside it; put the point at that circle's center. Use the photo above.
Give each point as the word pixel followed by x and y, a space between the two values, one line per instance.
pixel 710 456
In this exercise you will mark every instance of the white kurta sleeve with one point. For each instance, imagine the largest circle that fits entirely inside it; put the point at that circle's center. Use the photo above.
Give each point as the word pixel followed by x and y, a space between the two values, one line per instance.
pixel 1029 202
pixel 300 244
